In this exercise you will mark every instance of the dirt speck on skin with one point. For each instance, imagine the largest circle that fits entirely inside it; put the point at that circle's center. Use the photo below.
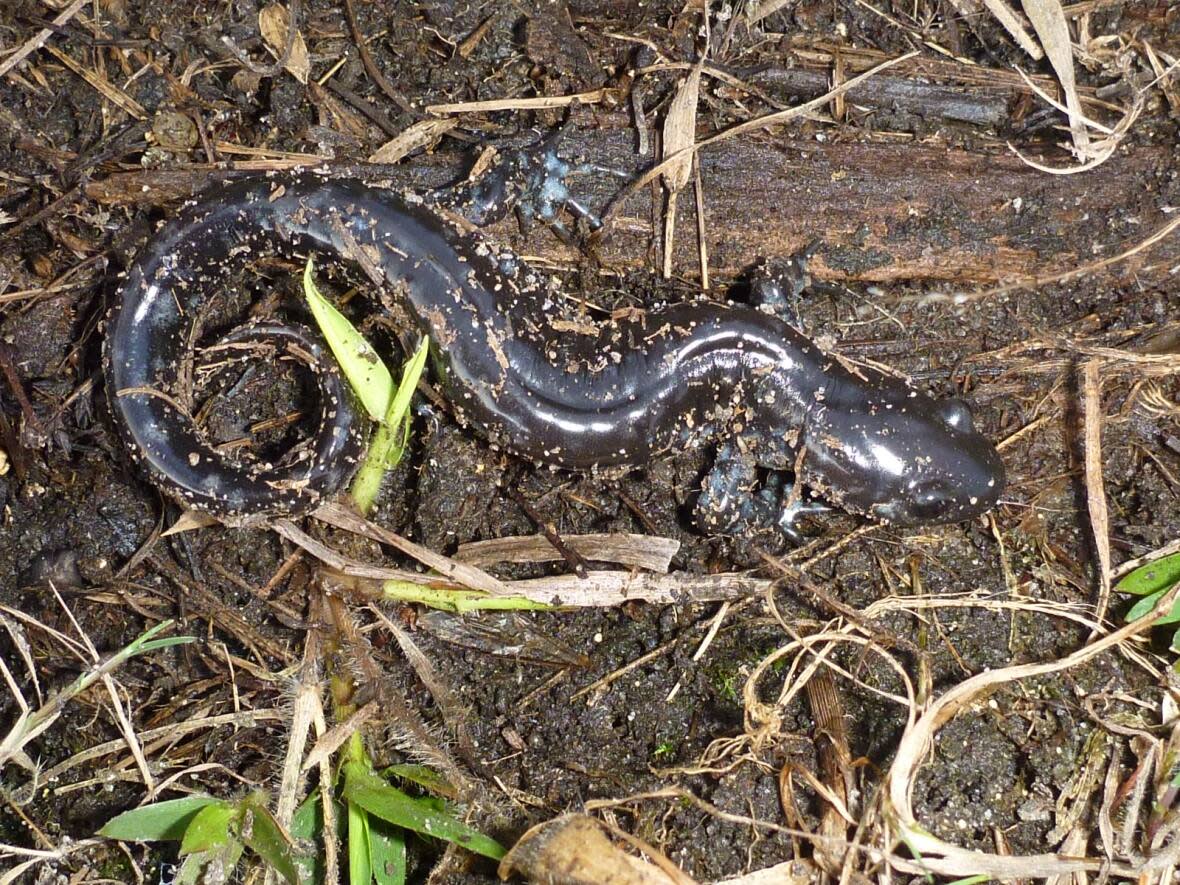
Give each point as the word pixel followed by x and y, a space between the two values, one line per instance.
pixel 80 528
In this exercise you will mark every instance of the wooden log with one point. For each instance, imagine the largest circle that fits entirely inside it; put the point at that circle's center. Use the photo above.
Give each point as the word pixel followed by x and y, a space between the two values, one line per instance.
pixel 883 210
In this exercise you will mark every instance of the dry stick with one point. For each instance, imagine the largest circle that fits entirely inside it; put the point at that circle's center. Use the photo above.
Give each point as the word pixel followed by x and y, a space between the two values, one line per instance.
pixel 944 858
pixel 1095 489
pixel 38 39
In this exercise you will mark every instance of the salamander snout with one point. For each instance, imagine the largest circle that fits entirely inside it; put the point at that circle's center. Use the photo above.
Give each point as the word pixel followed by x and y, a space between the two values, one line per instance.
pixel 958 477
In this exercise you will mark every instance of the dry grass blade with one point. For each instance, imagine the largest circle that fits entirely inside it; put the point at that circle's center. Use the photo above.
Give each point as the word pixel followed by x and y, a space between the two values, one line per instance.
pixel 419 135
pixel 32 723
pixel 604 589
pixel 101 83
pixel 641 551
pixel 16 873
pixel 38 39
pixel 1098 151
pixel 758 11
pixel 1048 20
pixel 1007 16
pixel 467 575
pixel 190 520
pixel 944 858
pixel 595 96
pixel 346 565
pixel 1095 488
pixel 307 703
pixel 274 23
pixel 335 738
pixel 680 127
pixel 788 872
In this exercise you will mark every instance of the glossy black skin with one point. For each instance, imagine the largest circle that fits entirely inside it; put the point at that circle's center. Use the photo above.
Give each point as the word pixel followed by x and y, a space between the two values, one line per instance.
pixel 534 376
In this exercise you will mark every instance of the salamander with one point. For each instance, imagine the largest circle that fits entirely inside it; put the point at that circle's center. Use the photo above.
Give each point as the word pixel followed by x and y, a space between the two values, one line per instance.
pixel 531 375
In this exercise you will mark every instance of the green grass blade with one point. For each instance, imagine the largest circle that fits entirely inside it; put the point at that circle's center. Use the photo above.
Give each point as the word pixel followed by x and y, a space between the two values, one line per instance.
pixel 360 871
pixel 365 371
pixel 159 821
pixel 427 778
pixel 398 415
pixel 365 789
pixel 459 601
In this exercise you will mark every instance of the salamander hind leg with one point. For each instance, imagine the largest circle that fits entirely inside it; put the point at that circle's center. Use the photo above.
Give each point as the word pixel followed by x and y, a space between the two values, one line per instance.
pixel 777 286
pixel 531 181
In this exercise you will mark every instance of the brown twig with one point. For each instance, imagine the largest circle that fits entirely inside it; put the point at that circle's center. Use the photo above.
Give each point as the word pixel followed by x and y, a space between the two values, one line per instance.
pixel 371 68
pixel 575 559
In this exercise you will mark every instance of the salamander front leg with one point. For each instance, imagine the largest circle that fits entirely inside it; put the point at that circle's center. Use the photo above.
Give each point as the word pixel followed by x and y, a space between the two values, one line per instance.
pixel 777 492
pixel 731 501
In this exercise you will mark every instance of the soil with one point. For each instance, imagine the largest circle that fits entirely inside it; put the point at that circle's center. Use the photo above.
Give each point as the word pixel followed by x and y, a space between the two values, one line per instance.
pixel 84 179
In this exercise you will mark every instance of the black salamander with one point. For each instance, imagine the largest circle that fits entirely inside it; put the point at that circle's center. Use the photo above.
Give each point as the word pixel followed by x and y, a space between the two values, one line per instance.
pixel 568 392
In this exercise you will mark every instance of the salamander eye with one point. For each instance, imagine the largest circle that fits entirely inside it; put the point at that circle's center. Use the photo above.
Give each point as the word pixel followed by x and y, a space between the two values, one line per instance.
pixel 956 414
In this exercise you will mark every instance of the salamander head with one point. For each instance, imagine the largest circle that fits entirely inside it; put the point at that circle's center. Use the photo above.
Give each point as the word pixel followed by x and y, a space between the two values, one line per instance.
pixel 905 459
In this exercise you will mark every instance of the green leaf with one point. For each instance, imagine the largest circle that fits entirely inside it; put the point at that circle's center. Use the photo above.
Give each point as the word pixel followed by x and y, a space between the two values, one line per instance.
pixel 1158 575
pixel 393 435
pixel 360 871
pixel 307 822
pixel 307 825
pixel 358 360
pixel 387 853
pixel 1143 607
pixel 161 820
pixel 384 801
pixel 209 829
pixel 266 838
